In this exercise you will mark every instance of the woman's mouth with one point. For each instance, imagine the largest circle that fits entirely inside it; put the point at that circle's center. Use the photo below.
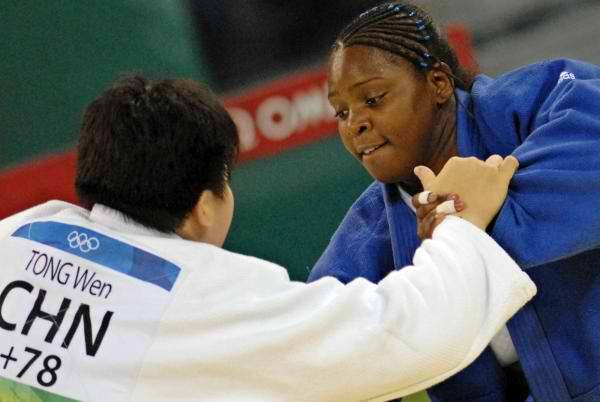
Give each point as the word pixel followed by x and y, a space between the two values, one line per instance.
pixel 371 149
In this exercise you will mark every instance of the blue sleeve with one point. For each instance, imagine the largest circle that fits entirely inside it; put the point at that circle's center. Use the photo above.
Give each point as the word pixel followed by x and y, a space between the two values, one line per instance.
pixel 361 245
pixel 549 114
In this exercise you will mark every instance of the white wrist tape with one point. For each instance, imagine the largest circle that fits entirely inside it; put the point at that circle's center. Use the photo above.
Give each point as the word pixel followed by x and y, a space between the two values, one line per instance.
pixel 423 197
pixel 446 207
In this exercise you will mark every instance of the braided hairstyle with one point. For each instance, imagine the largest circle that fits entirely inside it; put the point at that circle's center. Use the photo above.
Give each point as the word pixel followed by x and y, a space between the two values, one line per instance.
pixel 404 30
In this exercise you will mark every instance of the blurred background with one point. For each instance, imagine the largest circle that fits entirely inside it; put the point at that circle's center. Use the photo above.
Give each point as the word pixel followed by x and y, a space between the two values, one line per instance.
pixel 265 59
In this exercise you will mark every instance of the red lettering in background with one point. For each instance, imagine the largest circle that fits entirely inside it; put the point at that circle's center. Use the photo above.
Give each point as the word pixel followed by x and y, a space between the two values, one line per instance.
pixel 282 115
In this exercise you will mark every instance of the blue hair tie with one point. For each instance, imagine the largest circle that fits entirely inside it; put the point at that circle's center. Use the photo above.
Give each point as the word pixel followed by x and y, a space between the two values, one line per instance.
pixel 421 25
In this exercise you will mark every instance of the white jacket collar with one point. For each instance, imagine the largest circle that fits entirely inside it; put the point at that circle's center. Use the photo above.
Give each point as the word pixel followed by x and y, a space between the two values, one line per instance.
pixel 118 221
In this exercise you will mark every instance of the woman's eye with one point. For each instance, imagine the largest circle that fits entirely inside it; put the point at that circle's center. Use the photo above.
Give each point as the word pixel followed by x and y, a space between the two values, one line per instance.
pixel 372 101
pixel 341 115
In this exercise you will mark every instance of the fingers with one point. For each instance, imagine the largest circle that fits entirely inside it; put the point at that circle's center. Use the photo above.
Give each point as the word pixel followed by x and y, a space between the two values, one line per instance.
pixel 424 210
pixel 430 215
pixel 428 224
pixel 423 198
pixel 508 167
pixel 426 201
pixel 446 207
pixel 425 227
pixel 494 160
pixel 425 175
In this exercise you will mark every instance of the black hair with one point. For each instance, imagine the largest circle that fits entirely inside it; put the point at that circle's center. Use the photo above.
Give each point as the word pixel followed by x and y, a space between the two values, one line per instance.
pixel 405 30
pixel 150 148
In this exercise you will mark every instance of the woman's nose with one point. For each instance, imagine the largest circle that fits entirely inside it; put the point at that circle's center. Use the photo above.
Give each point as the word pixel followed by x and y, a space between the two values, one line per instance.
pixel 359 126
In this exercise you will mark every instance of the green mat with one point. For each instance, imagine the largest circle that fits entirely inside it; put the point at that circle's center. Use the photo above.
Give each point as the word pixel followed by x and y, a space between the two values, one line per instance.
pixel 11 391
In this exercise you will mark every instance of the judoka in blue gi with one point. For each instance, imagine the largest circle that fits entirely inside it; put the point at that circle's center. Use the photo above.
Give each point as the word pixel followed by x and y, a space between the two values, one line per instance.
pixel 402 100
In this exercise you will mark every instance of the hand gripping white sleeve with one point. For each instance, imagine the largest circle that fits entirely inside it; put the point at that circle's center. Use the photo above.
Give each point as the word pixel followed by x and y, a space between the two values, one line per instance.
pixel 471 288
pixel 260 337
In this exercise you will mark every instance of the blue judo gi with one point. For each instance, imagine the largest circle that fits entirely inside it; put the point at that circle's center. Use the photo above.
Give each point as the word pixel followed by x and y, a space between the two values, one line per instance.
pixel 548 116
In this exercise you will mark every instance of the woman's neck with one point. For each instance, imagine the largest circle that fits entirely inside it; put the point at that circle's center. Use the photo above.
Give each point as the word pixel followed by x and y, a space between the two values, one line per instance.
pixel 443 139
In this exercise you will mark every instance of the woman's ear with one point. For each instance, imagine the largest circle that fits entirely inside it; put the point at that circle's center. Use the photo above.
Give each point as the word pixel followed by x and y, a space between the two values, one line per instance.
pixel 441 81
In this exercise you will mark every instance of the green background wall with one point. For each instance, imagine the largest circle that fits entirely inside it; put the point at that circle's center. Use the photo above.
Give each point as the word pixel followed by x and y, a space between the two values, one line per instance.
pixel 58 55
pixel 288 206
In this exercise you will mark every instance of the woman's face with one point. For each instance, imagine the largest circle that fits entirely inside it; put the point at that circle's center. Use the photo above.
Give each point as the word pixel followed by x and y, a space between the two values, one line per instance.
pixel 386 111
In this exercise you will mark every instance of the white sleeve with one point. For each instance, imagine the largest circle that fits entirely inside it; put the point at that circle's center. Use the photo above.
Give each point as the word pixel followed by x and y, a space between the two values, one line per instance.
pixel 326 341
pixel 422 324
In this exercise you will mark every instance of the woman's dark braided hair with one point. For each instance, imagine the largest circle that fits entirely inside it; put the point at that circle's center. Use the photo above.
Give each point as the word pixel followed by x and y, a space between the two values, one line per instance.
pixel 404 30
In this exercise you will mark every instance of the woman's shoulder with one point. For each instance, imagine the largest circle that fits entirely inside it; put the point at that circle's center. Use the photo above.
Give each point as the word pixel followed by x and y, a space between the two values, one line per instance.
pixel 545 74
pixel 525 89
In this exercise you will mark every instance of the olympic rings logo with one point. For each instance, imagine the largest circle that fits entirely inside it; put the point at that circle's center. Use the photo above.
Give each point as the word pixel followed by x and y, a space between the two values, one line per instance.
pixel 82 241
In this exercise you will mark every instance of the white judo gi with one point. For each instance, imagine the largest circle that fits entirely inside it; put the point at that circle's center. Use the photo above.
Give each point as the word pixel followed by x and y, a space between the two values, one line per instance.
pixel 95 307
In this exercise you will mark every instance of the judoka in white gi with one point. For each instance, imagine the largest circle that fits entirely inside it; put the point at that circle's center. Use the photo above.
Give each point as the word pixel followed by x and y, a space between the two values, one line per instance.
pixel 136 300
